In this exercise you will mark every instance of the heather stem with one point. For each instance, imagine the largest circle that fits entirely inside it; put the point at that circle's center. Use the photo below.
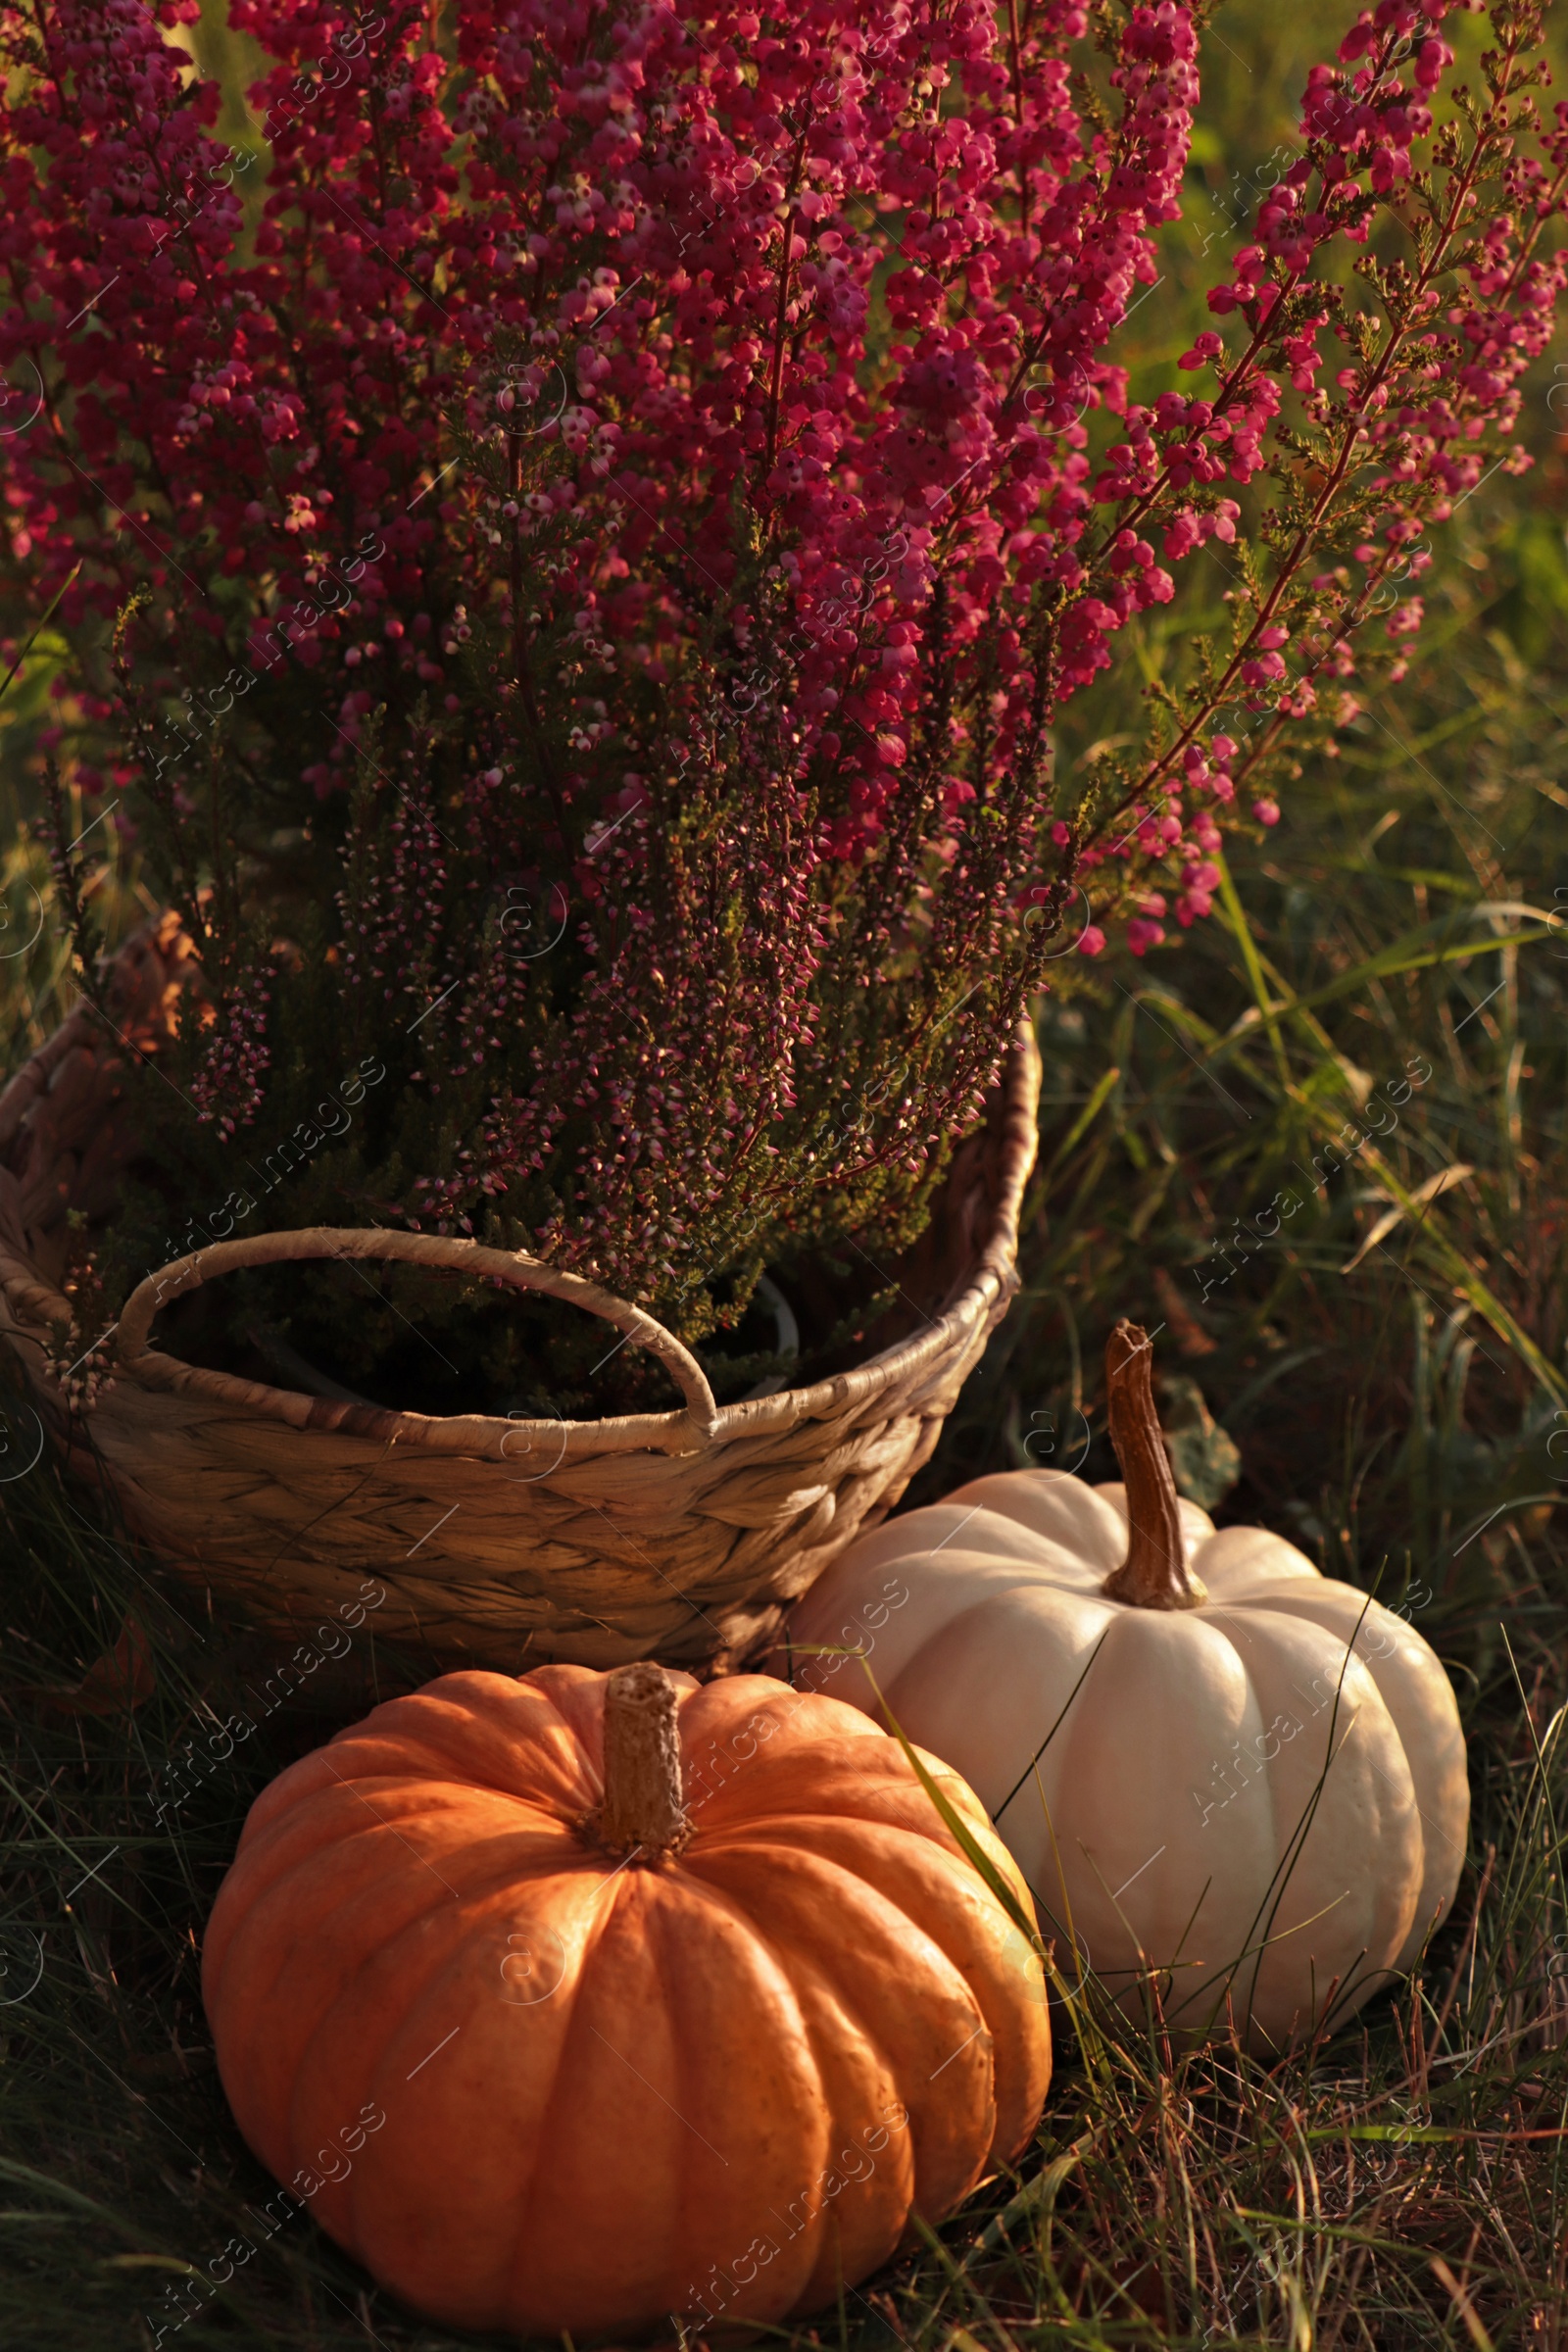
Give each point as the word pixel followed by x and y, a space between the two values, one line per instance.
pixel 776 379
pixel 1154 1575
pixel 1305 540
pixel 1016 70
pixel 523 676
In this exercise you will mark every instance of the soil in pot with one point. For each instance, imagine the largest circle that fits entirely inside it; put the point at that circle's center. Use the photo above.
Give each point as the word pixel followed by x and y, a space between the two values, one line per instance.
pixel 417 1339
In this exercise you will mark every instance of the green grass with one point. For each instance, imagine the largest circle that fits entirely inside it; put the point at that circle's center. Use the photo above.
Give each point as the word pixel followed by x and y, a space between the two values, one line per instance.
pixel 1390 1365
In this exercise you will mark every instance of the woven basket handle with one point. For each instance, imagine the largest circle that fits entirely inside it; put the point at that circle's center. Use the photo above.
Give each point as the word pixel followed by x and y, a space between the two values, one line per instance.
pixel 508 1266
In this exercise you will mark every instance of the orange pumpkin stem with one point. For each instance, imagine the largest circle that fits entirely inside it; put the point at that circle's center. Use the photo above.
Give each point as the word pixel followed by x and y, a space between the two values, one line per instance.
pixel 1154 1575
pixel 643 1816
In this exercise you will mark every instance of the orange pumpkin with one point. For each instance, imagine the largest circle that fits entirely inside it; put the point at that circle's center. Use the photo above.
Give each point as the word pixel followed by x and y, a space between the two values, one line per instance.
pixel 578 2001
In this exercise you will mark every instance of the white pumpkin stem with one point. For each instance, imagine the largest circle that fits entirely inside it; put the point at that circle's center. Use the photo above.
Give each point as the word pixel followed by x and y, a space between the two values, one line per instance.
pixel 1154 1575
pixel 643 1812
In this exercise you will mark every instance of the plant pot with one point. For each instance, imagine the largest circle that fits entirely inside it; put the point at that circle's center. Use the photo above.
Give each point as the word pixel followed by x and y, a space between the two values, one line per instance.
pixel 499 1542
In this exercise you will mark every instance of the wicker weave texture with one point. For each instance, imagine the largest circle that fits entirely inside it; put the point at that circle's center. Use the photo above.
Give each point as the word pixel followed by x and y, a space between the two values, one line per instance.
pixel 499 1543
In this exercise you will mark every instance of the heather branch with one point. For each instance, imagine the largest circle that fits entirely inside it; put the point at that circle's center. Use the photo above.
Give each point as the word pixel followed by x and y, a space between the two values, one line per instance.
pixel 1370 393
pixel 68 872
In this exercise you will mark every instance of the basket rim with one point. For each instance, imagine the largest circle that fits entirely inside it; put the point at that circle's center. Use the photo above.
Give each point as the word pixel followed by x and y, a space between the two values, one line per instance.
pixel 681 1431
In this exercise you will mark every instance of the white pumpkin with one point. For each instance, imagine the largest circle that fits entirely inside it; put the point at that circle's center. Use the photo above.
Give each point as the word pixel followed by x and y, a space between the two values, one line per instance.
pixel 1208 1759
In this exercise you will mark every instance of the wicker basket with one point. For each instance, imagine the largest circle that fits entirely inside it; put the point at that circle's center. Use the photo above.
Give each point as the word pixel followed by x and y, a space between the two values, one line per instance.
pixel 499 1542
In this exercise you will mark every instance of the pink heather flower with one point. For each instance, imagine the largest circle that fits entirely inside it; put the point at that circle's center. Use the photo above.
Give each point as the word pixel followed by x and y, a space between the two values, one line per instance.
pixel 656 232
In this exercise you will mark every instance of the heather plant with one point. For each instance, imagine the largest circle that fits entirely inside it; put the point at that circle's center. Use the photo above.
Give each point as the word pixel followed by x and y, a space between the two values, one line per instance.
pixel 577 578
